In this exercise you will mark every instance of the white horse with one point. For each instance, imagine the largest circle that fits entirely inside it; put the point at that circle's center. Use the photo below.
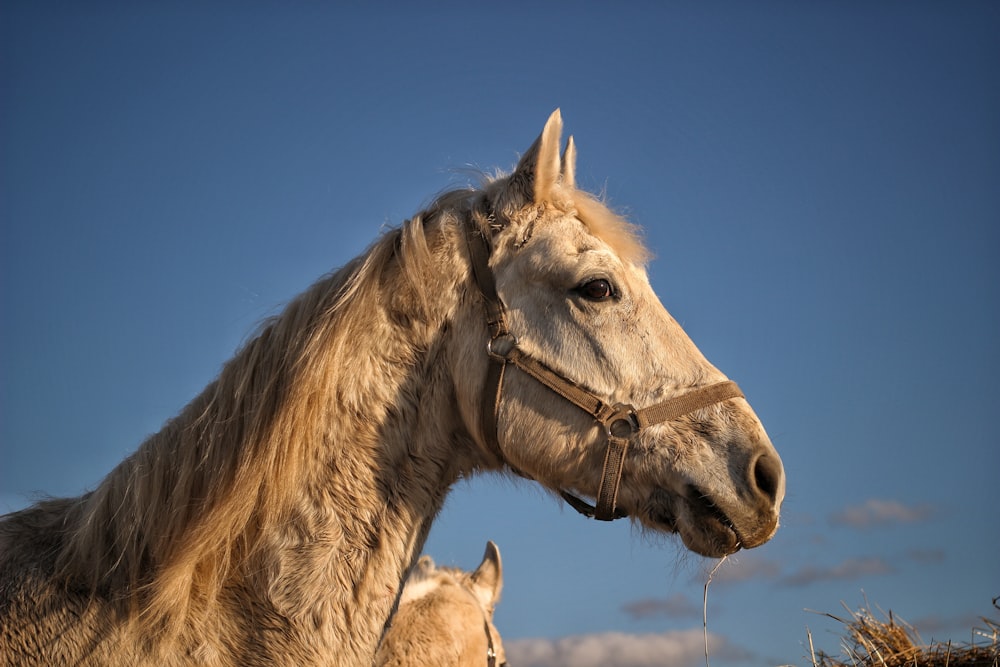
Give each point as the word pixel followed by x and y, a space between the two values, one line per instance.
pixel 445 617
pixel 271 522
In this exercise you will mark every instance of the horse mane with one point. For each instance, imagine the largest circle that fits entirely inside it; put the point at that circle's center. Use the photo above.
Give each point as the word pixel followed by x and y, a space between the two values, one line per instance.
pixel 185 506
pixel 162 532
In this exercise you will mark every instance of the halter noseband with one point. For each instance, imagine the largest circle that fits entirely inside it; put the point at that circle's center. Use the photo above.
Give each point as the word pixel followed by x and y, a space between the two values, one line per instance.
pixel 620 421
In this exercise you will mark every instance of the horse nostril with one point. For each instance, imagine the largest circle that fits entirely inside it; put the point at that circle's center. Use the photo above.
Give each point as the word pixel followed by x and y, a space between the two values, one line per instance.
pixel 768 475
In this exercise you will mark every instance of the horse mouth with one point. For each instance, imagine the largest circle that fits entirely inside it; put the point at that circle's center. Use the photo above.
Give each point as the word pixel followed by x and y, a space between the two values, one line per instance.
pixel 702 525
pixel 714 523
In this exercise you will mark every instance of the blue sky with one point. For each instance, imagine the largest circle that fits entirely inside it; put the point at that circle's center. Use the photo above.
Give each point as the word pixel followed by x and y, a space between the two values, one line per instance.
pixel 819 182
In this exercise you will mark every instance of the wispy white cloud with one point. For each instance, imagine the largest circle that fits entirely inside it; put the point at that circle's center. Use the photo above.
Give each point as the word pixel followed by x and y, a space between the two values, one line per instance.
pixel 677 605
pixel 876 512
pixel 937 627
pixel 850 569
pixel 684 648
pixel 746 567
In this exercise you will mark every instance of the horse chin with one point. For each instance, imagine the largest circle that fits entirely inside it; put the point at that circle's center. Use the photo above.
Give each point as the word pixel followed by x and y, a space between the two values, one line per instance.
pixel 702 526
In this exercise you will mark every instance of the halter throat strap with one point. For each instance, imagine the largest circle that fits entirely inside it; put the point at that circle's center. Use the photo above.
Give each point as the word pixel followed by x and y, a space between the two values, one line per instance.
pixel 620 421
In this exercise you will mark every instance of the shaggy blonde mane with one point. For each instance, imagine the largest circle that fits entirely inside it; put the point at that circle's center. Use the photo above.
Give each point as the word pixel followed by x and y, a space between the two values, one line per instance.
pixel 183 506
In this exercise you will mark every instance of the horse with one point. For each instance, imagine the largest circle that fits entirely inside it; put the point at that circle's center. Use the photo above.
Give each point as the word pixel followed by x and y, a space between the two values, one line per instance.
pixel 445 617
pixel 509 327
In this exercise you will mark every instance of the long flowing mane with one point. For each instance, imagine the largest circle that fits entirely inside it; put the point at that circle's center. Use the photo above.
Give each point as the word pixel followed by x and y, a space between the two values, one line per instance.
pixel 183 505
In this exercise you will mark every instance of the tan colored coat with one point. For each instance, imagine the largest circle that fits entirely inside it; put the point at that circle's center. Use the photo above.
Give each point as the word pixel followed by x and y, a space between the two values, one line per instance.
pixel 445 617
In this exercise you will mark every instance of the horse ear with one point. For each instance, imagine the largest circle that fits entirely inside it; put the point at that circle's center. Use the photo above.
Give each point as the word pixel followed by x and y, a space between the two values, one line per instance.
pixel 548 165
pixel 487 580
pixel 540 168
pixel 425 565
pixel 569 164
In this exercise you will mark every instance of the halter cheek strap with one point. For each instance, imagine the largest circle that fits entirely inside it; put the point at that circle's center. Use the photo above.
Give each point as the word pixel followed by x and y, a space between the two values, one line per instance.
pixel 491 653
pixel 620 421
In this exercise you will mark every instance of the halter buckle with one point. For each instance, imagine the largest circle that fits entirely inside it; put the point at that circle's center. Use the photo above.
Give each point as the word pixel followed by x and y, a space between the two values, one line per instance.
pixel 501 345
pixel 622 423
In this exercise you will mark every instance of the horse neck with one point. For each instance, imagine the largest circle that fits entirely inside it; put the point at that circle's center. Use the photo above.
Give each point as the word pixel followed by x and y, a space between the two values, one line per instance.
pixel 384 449
pixel 307 474
pixel 389 456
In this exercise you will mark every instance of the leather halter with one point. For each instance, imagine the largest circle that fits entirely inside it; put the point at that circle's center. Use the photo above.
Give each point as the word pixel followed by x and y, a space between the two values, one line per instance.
pixel 620 421
pixel 491 654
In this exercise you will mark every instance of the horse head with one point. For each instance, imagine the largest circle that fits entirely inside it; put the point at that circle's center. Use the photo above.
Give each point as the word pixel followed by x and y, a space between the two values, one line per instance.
pixel 445 617
pixel 579 368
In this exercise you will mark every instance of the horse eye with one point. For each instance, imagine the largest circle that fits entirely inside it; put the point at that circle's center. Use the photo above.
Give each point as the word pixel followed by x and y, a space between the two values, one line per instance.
pixel 598 289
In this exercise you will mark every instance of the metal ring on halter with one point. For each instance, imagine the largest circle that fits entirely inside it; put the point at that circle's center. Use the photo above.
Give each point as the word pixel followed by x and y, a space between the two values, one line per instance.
pixel 623 423
pixel 501 346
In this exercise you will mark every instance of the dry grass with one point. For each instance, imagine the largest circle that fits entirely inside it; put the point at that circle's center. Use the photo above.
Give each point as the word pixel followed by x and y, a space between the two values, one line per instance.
pixel 871 642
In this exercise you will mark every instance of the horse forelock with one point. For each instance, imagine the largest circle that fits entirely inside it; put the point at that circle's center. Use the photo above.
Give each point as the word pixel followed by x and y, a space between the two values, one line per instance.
pixel 622 236
pixel 509 201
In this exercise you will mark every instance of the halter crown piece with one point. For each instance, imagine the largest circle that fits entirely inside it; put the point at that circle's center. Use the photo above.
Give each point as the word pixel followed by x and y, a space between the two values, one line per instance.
pixel 621 422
